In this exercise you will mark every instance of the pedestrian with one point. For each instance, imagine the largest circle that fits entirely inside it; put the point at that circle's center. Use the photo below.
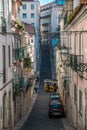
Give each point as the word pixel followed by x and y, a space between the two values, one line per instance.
pixel 36 88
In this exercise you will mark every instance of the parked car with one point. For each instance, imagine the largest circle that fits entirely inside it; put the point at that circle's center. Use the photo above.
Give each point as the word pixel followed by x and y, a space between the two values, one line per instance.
pixel 54 94
pixel 56 109
pixel 54 97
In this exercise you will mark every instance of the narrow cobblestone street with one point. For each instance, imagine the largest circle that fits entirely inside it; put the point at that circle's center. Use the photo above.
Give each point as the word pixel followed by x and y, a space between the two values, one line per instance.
pixel 37 116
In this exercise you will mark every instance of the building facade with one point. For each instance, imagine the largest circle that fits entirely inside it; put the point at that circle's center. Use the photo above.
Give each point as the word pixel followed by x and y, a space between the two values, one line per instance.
pixel 72 54
pixel 6 78
pixel 60 2
pixel 55 20
pixel 45 22
pixel 30 14
pixel 31 51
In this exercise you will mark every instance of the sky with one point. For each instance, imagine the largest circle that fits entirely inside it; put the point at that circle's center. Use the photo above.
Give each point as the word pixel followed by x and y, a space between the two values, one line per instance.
pixel 43 2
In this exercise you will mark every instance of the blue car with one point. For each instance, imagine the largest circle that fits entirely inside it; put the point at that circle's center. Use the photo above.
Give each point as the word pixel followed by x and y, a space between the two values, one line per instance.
pixel 56 108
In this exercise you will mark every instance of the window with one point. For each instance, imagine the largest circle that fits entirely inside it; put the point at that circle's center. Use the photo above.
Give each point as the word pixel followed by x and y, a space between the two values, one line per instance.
pixel 32 24
pixel 32 6
pixel 2 7
pixel 75 93
pixel 9 59
pixel 12 7
pixel 24 15
pixel 81 44
pixel 24 7
pixel 32 15
pixel 69 40
pixel 80 102
pixel 4 63
pixel 31 40
pixel 75 43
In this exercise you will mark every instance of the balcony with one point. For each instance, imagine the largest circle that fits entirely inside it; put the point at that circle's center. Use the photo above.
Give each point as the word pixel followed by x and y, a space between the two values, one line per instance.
pixel 27 62
pixel 18 84
pixel 46 15
pixel 77 63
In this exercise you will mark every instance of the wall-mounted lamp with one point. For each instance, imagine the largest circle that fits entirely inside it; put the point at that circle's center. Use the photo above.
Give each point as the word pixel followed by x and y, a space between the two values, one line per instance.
pixel 64 52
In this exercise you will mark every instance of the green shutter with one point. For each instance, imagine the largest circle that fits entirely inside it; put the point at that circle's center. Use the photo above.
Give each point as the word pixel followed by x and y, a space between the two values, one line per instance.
pixel 21 53
pixel 16 54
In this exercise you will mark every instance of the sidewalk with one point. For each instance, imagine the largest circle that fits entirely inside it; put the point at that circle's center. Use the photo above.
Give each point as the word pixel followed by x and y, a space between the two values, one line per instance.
pixel 21 122
pixel 66 124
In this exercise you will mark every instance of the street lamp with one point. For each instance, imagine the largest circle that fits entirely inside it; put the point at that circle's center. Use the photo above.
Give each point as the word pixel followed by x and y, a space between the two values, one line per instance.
pixel 64 52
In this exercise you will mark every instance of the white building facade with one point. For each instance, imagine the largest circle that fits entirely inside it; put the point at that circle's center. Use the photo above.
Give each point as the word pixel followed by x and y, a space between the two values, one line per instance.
pixel 29 14
pixel 55 20
pixel 45 22
pixel 6 90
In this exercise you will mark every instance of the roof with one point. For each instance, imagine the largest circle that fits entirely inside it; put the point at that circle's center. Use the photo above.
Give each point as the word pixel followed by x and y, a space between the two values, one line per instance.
pixel 29 28
pixel 27 0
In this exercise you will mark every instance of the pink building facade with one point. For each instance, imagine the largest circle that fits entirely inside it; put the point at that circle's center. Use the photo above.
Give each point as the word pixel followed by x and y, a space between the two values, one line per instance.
pixel 78 68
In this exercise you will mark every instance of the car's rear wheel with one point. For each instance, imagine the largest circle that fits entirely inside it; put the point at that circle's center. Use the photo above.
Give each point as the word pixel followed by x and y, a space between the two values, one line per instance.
pixel 64 114
pixel 49 115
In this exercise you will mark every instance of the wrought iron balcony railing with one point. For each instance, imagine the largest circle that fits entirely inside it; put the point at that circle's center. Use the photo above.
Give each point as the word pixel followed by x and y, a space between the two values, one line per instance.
pixel 77 63
pixel 72 61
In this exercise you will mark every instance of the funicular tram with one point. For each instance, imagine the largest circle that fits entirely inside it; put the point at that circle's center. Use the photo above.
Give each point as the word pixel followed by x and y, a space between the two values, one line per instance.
pixel 50 85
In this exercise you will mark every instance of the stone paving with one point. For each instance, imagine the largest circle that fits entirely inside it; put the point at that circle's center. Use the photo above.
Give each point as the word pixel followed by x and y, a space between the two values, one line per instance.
pixel 21 122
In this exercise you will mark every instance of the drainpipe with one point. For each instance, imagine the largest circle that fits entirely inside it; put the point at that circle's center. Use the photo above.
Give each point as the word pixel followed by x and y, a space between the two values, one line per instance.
pixel 77 107
pixel 85 109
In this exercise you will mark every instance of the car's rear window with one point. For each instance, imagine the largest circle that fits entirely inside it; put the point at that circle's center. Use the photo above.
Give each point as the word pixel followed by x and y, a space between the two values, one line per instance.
pixel 56 106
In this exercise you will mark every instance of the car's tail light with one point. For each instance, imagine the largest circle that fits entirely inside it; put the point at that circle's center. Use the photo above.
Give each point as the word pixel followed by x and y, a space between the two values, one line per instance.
pixel 62 109
pixel 50 109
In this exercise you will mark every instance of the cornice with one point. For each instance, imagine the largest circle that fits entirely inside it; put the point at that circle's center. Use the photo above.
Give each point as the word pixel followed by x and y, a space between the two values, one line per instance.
pixel 82 13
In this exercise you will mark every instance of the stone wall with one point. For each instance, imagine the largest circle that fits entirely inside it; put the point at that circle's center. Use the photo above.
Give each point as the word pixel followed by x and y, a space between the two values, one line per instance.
pixel 21 104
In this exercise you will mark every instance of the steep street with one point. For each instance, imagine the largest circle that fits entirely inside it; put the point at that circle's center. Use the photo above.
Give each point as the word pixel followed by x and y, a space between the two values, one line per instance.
pixel 38 119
